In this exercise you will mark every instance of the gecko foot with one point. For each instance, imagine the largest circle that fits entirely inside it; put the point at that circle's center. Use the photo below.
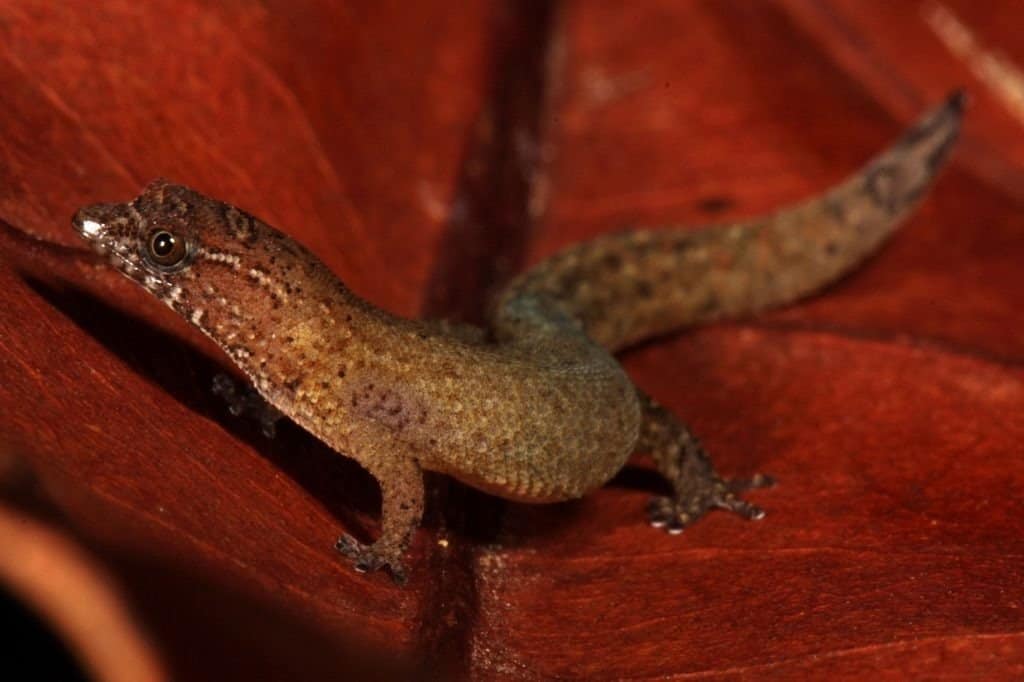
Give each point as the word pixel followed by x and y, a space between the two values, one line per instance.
pixel 367 558
pixel 697 487
pixel 694 500
pixel 247 402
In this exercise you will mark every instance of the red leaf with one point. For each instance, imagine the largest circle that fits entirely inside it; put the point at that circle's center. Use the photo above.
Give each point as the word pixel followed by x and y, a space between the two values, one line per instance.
pixel 425 154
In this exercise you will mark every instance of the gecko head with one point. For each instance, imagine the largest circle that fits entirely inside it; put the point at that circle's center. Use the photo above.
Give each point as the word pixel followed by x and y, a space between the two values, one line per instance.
pixel 152 240
pixel 176 243
pixel 218 267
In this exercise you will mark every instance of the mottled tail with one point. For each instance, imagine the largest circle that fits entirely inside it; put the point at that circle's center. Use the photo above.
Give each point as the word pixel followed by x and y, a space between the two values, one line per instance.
pixel 629 286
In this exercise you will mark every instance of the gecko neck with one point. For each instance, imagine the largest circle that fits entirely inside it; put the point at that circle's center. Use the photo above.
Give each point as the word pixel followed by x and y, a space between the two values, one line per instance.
pixel 304 352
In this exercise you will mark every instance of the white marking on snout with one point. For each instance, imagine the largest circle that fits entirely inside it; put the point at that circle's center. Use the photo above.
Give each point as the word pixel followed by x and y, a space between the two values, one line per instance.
pixel 91 228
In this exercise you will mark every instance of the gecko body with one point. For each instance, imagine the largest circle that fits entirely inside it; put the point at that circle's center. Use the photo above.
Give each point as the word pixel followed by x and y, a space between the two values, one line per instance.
pixel 534 408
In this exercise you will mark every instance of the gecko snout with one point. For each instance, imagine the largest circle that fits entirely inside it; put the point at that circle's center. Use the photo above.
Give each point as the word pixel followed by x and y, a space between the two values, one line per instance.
pixel 85 225
pixel 92 222
pixel 104 226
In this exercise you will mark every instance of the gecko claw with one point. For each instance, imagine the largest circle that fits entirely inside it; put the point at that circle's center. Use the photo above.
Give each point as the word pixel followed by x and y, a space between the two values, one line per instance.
pixel 365 559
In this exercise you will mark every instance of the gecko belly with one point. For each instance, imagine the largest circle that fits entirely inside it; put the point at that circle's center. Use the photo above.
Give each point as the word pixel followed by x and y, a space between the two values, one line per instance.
pixel 538 436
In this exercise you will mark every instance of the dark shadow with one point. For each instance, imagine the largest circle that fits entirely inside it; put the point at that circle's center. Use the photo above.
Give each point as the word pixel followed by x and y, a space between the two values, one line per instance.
pixel 640 478
pixel 30 641
pixel 187 374
pixel 483 245
pixel 210 629
pixel 204 625
pixel 527 524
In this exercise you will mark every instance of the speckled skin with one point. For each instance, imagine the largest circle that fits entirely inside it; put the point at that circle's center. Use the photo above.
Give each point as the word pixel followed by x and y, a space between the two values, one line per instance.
pixel 535 408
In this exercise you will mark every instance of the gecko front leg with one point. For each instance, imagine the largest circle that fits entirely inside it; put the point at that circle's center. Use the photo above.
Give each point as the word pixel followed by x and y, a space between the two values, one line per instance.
pixel 246 401
pixel 401 489
pixel 696 486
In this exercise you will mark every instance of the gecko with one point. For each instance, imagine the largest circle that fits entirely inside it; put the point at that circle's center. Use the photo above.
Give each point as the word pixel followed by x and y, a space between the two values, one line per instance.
pixel 533 407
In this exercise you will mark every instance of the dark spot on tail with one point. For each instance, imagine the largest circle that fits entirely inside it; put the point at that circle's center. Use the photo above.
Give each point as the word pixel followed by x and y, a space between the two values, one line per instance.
pixel 612 261
pixel 836 209
pixel 715 204
pixel 682 244
pixel 568 283
pixel 710 304
pixel 890 187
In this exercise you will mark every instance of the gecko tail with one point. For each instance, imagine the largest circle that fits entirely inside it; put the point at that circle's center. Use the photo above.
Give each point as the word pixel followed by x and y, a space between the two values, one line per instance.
pixel 629 286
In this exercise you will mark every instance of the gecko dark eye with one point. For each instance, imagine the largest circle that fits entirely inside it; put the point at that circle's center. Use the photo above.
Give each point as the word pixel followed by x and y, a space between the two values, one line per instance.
pixel 165 248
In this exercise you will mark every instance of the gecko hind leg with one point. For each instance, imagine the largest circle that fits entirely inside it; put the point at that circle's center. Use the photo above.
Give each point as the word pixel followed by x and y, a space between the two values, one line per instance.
pixel 401 488
pixel 246 401
pixel 697 487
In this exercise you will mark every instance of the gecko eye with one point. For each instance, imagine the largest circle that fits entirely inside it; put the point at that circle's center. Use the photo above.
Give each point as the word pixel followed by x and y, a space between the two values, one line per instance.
pixel 165 248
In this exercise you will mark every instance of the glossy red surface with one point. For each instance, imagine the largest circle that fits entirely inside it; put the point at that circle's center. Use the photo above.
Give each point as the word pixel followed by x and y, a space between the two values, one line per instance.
pixel 425 154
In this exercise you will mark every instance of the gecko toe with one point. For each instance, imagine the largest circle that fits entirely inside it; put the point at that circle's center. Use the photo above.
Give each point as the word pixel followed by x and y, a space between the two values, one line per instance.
pixel 670 514
pixel 660 511
pixel 743 508
pixel 726 496
pixel 365 559
pixel 349 546
pixel 739 485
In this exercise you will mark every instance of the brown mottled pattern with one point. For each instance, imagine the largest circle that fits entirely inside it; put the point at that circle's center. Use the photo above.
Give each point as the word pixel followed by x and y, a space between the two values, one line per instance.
pixel 542 412
pixel 632 285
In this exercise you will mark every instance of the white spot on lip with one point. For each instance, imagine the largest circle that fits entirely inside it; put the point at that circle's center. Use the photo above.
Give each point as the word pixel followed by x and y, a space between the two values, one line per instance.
pixel 90 228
